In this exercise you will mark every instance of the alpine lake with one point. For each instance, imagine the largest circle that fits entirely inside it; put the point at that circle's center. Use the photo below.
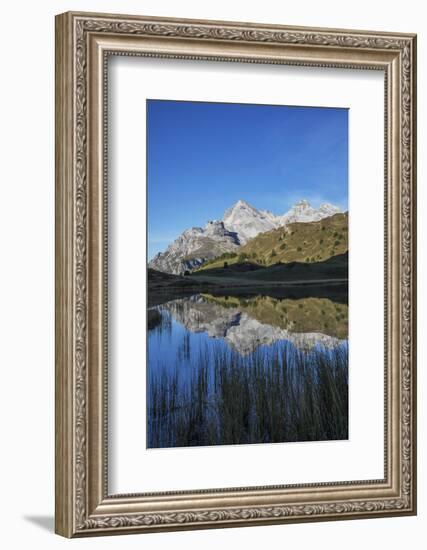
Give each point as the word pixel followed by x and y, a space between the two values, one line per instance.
pixel 249 365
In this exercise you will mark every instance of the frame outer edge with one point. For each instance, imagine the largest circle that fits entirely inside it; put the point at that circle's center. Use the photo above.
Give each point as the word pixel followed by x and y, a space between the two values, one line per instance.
pixel 64 237
pixel 72 483
pixel 233 24
pixel 414 271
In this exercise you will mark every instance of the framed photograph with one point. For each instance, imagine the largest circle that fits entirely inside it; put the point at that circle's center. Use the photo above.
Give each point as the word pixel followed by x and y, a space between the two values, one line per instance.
pixel 235 274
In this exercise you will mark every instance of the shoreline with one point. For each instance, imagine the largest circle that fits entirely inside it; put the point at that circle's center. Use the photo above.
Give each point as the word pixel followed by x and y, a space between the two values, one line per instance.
pixel 334 289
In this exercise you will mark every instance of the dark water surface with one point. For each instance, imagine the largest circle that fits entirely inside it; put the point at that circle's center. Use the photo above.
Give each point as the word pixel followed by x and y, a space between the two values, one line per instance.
pixel 247 369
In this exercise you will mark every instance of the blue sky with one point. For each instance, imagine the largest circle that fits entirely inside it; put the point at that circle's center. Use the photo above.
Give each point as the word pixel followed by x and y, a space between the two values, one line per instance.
pixel 204 157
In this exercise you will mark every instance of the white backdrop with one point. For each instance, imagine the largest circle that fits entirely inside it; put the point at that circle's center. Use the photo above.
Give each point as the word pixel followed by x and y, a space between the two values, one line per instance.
pixel 27 246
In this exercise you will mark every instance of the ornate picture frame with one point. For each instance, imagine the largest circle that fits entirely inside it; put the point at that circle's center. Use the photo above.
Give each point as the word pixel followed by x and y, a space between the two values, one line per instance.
pixel 84 42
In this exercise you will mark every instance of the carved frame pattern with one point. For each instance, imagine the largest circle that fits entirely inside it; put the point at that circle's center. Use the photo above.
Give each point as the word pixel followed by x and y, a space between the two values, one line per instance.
pixel 75 515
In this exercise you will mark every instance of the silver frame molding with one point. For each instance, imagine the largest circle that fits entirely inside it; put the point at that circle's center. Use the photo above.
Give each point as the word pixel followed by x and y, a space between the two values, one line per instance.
pixel 83 43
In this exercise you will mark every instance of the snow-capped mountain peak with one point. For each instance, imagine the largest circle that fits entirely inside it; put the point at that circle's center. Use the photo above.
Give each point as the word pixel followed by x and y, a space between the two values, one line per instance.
pixel 240 223
pixel 240 208
pixel 302 204
pixel 302 211
pixel 243 204
pixel 328 209
pixel 247 221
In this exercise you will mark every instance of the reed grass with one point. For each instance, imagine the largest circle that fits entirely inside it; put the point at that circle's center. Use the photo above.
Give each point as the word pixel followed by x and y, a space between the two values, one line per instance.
pixel 279 394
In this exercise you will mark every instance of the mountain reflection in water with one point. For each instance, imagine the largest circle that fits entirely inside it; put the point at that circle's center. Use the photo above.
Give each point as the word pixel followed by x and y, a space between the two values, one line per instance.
pixel 245 323
pixel 233 369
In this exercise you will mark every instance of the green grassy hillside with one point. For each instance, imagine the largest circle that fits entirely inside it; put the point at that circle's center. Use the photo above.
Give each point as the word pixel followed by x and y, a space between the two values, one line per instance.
pixel 331 269
pixel 298 242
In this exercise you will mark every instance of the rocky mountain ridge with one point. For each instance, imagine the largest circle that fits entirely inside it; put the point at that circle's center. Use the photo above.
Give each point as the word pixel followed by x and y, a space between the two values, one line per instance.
pixel 241 223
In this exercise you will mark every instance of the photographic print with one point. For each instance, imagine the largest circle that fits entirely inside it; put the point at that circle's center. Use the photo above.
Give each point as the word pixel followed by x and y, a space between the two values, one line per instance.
pixel 247 263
